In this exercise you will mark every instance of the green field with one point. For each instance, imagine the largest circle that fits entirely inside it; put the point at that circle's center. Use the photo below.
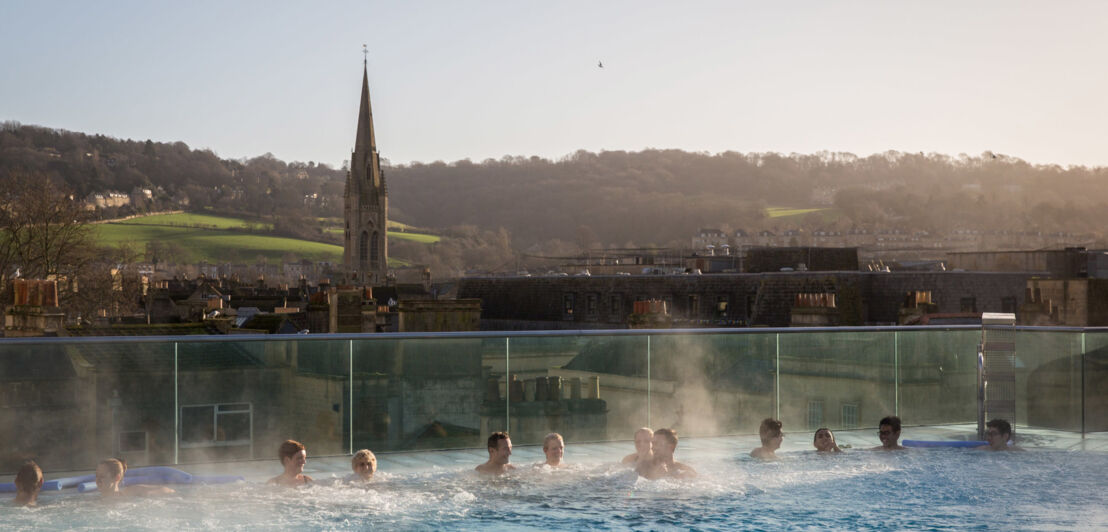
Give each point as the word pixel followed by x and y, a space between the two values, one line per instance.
pixel 185 219
pixel 214 245
pixel 781 212
pixel 211 238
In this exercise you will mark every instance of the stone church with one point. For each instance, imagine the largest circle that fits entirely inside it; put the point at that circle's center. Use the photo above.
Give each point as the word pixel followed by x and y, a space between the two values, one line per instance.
pixel 366 204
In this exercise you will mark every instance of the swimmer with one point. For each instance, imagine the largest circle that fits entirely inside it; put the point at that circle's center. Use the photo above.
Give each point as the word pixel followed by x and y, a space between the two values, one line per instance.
pixel 770 434
pixel 998 433
pixel 294 456
pixel 28 483
pixel 500 453
pixel 554 447
pixel 824 441
pixel 364 464
pixel 889 432
pixel 663 464
pixel 643 450
pixel 109 482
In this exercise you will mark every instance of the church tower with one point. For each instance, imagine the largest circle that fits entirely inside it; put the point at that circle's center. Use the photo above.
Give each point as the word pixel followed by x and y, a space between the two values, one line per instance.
pixel 366 204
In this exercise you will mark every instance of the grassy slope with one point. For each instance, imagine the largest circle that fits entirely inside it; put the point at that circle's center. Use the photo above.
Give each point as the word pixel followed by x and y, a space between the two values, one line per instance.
pixel 205 237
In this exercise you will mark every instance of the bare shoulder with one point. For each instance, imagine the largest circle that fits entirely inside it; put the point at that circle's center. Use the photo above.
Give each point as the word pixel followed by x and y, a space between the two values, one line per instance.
pixel 630 459
pixel 681 470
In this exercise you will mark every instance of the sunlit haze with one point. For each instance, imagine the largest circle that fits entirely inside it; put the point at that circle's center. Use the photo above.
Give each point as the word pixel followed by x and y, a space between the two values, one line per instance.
pixel 453 80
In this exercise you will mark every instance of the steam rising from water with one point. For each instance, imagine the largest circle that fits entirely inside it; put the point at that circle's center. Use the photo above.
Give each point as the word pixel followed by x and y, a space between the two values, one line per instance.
pixel 854 490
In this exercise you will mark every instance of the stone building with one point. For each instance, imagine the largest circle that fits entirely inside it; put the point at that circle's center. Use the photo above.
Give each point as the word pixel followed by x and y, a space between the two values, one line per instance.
pixel 366 206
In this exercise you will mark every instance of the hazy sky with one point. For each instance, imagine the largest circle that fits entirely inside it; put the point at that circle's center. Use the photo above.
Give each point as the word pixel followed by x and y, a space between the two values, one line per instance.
pixel 479 79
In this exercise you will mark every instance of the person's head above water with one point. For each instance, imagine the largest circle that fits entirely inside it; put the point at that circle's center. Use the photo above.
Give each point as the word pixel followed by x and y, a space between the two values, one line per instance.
pixel 364 464
pixel 553 446
pixel 824 441
pixel 889 432
pixel 293 456
pixel 28 482
pixel 770 433
pixel 109 476
pixel 500 448
pixel 664 443
pixel 997 433
pixel 643 439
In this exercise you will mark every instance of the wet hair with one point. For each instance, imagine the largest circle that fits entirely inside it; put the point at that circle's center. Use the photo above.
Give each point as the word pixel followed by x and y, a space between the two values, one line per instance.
pixel 494 439
pixel 1002 426
pixel 289 449
pixel 816 433
pixel 552 436
pixel 669 434
pixel 769 429
pixel 368 454
pixel 113 466
pixel 891 421
pixel 29 478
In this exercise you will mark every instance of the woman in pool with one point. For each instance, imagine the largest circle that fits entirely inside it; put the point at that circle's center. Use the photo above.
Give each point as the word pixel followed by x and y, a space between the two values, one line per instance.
pixel 109 481
pixel 771 435
pixel 294 456
pixel 364 464
pixel 28 482
pixel 824 441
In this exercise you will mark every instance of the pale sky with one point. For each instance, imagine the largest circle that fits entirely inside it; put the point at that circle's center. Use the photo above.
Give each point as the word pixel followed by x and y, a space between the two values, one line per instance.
pixel 478 79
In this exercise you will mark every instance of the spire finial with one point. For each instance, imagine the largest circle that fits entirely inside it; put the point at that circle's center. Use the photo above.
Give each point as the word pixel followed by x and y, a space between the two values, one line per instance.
pixel 365 52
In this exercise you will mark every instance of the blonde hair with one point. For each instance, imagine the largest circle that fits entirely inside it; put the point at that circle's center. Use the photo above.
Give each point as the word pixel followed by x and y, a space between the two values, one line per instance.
pixel 552 436
pixel 368 454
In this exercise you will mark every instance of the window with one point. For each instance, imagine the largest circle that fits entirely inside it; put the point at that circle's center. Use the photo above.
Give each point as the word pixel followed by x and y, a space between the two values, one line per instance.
pixel 363 247
pixel 217 425
pixel 1008 304
pixel 850 416
pixel 969 304
pixel 614 307
pixel 592 305
pixel 694 305
pixel 567 306
pixel 721 305
pixel 374 249
pixel 815 414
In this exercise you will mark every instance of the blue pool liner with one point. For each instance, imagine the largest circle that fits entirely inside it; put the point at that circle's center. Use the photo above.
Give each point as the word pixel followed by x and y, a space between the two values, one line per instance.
pixel 944 443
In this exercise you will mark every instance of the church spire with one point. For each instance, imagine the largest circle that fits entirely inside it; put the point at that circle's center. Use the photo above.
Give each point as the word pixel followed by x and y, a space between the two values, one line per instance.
pixel 365 142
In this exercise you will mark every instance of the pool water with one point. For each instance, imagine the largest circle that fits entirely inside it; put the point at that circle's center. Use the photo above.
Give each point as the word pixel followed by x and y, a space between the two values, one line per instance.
pixel 856 490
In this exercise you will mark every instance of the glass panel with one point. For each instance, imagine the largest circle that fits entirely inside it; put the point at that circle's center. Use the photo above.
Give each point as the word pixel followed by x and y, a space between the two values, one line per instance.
pixel 424 393
pixel 586 388
pixel 938 376
pixel 850 374
pixel 70 404
pixel 1096 381
pixel 1048 379
pixel 710 384
pixel 241 399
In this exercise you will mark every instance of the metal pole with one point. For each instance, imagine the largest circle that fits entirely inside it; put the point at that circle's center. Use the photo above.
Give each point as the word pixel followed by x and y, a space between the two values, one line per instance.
pixel 777 376
pixel 176 407
pixel 1083 356
pixel 507 385
pixel 896 373
pixel 351 395
pixel 649 422
pixel 981 390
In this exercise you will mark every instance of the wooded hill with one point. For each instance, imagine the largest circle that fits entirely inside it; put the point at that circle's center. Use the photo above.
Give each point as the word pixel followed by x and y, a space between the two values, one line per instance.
pixel 617 198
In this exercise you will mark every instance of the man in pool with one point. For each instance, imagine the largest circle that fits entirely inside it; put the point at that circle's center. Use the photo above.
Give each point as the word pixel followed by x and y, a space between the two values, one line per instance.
pixel 364 464
pixel 663 464
pixel 294 456
pixel 500 453
pixel 889 432
pixel 770 434
pixel 109 482
pixel 644 452
pixel 554 447
pixel 997 433
pixel 28 483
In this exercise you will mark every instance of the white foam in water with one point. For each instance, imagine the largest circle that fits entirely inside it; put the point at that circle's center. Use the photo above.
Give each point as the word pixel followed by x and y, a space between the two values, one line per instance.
pixel 942 488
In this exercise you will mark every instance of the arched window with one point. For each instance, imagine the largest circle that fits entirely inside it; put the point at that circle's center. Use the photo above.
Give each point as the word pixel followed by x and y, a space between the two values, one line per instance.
pixel 374 249
pixel 363 247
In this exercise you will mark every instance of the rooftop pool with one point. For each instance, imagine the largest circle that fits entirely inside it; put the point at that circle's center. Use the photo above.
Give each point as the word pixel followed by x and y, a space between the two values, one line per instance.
pixel 1045 488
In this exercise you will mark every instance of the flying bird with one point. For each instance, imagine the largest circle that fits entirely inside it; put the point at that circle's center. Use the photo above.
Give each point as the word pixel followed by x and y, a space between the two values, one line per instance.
pixel 600 64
